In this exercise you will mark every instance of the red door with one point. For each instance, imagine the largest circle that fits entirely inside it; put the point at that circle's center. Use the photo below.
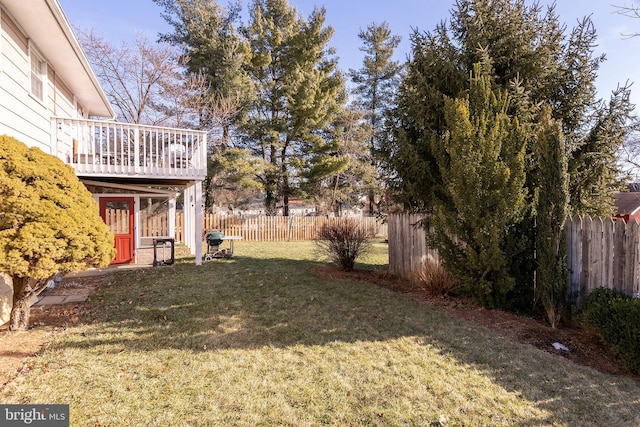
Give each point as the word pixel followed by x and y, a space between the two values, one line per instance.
pixel 117 213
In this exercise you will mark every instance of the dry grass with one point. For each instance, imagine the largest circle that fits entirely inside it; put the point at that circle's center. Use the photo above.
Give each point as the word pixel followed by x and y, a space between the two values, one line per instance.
pixel 257 340
pixel 433 278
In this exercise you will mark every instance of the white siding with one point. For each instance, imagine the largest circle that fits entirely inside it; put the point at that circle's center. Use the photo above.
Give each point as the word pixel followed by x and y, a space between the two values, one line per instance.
pixel 21 114
pixel 61 98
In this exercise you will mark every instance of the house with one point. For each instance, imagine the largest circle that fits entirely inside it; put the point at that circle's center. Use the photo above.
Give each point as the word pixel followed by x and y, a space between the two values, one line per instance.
pixel 627 206
pixel 50 98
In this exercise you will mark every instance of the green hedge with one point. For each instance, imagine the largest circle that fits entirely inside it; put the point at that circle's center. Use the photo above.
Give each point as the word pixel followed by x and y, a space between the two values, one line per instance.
pixel 616 317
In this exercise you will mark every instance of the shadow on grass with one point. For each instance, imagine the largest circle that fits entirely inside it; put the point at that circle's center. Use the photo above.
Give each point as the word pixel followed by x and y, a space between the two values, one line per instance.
pixel 251 303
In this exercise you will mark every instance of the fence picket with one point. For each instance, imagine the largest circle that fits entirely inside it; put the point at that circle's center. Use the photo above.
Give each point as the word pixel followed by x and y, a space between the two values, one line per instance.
pixel 631 275
pixel 585 279
pixel 596 261
pixel 607 252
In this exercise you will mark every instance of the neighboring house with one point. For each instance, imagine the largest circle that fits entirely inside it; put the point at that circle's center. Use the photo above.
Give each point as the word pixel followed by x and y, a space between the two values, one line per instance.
pixel 628 206
pixel 49 92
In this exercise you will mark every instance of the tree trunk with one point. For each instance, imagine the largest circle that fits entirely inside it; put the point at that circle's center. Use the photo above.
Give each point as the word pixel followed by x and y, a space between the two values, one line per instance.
pixel 285 185
pixel 270 203
pixel 19 320
pixel 371 202
pixel 23 290
pixel 285 205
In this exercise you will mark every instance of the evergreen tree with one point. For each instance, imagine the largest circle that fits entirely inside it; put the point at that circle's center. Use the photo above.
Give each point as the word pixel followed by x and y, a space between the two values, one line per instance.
pixel 231 179
pixel 552 194
pixel 407 160
pixel 299 91
pixel 482 163
pixel 541 65
pixel 376 84
pixel 593 166
pixel 212 47
pixel 341 175
pixel 524 45
pixel 214 50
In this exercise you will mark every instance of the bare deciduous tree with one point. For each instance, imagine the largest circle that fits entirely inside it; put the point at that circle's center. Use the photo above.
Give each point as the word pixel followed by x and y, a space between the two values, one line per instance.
pixel 149 83
pixel 629 153
pixel 133 76
pixel 632 11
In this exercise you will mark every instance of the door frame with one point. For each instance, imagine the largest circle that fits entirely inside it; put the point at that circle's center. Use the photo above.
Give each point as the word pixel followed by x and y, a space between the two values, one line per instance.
pixel 102 201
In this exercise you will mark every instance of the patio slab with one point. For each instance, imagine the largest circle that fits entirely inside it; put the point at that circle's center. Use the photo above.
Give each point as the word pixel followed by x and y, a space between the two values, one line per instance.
pixel 81 297
pixel 61 299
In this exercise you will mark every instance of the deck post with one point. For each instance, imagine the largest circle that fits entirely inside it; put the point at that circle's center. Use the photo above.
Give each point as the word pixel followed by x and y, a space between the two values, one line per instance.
pixel 197 225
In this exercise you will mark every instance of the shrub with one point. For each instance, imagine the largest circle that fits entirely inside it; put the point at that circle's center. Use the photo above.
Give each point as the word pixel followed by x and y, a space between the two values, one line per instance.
pixel 49 224
pixel 343 241
pixel 433 278
pixel 616 317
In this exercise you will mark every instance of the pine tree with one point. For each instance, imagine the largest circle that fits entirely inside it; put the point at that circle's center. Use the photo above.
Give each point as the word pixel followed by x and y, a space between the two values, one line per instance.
pixel 299 91
pixel 341 173
pixel 231 178
pixel 541 65
pixel 593 166
pixel 525 45
pixel 482 163
pixel 407 160
pixel 376 84
pixel 212 47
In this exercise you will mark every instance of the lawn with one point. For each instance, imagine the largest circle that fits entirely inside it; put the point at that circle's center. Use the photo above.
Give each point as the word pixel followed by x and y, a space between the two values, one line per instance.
pixel 259 340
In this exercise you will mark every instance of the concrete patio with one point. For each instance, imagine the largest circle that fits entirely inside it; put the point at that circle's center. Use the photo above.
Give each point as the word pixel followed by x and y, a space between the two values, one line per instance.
pixel 59 296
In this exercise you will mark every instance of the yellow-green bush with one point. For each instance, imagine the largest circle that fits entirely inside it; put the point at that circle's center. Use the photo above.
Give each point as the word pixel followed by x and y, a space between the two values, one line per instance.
pixel 49 222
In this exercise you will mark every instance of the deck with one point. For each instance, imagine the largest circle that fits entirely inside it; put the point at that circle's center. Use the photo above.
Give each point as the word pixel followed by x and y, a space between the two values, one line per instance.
pixel 107 149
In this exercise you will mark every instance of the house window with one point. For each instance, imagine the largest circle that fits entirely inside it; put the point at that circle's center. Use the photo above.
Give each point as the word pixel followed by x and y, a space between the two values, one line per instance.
pixel 38 75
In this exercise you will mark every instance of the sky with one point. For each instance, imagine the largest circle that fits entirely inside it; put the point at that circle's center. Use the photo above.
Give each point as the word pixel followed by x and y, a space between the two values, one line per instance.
pixel 121 20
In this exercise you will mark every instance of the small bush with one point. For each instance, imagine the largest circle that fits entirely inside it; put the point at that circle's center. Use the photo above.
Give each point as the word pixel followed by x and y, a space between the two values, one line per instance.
pixel 433 278
pixel 343 241
pixel 616 317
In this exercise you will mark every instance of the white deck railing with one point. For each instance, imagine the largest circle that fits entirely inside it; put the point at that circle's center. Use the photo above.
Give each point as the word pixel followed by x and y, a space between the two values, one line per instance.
pixel 105 148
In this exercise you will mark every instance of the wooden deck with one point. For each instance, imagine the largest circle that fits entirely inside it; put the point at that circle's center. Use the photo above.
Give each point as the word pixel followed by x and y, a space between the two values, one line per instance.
pixel 107 149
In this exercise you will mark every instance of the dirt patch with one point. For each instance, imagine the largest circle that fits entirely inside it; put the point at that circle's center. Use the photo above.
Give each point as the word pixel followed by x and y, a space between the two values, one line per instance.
pixel 585 346
pixel 17 347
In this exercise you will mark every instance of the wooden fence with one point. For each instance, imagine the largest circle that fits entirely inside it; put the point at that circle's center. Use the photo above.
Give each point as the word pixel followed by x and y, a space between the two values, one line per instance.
pixel 407 245
pixel 154 224
pixel 117 220
pixel 600 253
pixel 274 228
pixel 252 228
pixel 603 254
